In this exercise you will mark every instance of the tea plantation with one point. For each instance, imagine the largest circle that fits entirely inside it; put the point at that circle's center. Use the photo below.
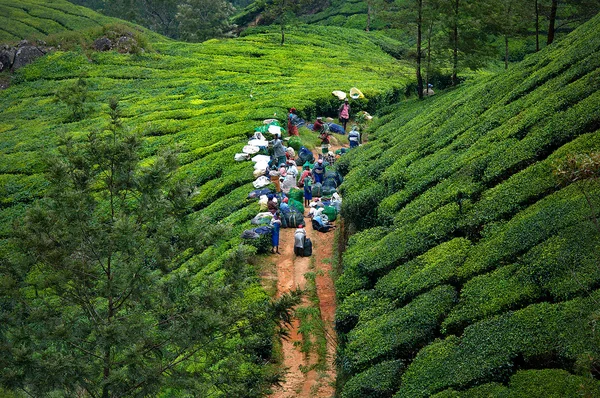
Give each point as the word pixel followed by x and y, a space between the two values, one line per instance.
pixel 473 272
pixel 205 100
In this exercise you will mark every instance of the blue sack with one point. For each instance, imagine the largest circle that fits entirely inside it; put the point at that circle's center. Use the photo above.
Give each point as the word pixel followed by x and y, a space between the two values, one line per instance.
pixel 257 193
pixel 263 230
pixel 336 128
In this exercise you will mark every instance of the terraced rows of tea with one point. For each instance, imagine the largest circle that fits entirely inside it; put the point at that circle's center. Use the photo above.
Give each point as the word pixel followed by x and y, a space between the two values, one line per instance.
pixel 205 100
pixel 474 272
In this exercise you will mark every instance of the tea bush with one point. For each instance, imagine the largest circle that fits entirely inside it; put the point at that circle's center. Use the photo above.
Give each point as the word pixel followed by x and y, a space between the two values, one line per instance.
pixel 466 197
pixel 381 380
pixel 542 334
pixel 398 333
pixel 554 383
pixel 204 99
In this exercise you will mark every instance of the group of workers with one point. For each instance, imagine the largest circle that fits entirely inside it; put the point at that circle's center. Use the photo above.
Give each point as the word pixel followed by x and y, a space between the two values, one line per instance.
pixel 283 168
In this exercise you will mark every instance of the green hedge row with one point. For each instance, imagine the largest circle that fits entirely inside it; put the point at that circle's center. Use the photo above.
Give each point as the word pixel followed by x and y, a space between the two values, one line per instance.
pixel 381 380
pixel 547 383
pixel 437 266
pixel 561 267
pixel 370 260
pixel 360 307
pixel 541 335
pixel 397 334
pixel 531 226
pixel 470 200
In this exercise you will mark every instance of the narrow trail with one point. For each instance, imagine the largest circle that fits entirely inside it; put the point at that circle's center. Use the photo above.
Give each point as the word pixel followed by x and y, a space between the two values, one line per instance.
pixel 302 380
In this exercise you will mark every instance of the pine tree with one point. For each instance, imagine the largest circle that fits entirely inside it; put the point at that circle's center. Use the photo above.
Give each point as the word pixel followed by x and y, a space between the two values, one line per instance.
pixel 97 303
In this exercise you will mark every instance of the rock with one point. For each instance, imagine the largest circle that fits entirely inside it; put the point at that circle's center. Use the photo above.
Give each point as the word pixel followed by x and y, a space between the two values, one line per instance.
pixel 102 44
pixel 126 44
pixel 23 43
pixel 7 57
pixel 25 55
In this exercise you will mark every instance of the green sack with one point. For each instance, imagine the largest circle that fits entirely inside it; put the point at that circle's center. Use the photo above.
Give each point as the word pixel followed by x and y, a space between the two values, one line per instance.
pixel 292 219
pixel 294 204
pixel 330 212
pixel 296 194
pixel 295 142
pixel 328 190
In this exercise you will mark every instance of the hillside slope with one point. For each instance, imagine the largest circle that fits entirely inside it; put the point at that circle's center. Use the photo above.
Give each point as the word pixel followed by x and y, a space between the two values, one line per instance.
pixel 206 99
pixel 34 19
pixel 472 265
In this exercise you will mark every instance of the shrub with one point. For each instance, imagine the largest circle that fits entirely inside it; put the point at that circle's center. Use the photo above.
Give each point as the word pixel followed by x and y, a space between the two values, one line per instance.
pixel 360 307
pixel 379 381
pixel 397 334
pixel 529 227
pixel 550 383
pixel 436 266
pixel 541 334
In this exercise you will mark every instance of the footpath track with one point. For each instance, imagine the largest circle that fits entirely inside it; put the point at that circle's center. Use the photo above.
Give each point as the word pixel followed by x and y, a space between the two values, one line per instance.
pixel 302 380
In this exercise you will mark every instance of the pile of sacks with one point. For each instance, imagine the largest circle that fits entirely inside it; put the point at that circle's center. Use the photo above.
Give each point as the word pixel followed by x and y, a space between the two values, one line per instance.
pixel 290 200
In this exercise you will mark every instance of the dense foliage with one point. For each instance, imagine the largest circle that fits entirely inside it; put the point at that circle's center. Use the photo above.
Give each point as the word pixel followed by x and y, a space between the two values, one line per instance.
pixel 204 100
pixel 460 194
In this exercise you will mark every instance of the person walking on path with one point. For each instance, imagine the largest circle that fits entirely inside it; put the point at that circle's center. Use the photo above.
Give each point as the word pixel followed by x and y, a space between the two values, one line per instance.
pixel 278 150
pixel 354 137
pixel 307 190
pixel 275 225
pixel 293 121
pixel 344 113
pixel 318 171
pixel 299 237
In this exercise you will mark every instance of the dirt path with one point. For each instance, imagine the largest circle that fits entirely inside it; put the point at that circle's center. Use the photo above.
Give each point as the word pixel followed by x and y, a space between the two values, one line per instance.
pixel 302 379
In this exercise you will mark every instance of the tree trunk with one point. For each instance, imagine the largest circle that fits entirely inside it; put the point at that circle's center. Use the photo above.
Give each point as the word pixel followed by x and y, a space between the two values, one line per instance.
pixel 537 27
pixel 505 51
pixel 455 45
pixel 552 22
pixel 428 56
pixel 419 24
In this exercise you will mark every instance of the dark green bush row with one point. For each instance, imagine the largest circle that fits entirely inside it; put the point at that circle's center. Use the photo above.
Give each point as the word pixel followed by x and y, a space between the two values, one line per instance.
pixel 363 266
pixel 528 228
pixel 560 267
pixel 487 151
pixel 360 307
pixel 435 267
pixel 380 381
pixel 542 334
pixel 397 334
pixel 547 383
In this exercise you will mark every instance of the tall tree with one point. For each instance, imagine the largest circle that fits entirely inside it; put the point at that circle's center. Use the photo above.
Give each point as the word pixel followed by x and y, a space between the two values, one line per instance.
pixel 454 19
pixel 552 21
pixel 100 302
pixel 419 6
pixel 537 25
pixel 281 12
pixel 509 19
pixel 200 20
